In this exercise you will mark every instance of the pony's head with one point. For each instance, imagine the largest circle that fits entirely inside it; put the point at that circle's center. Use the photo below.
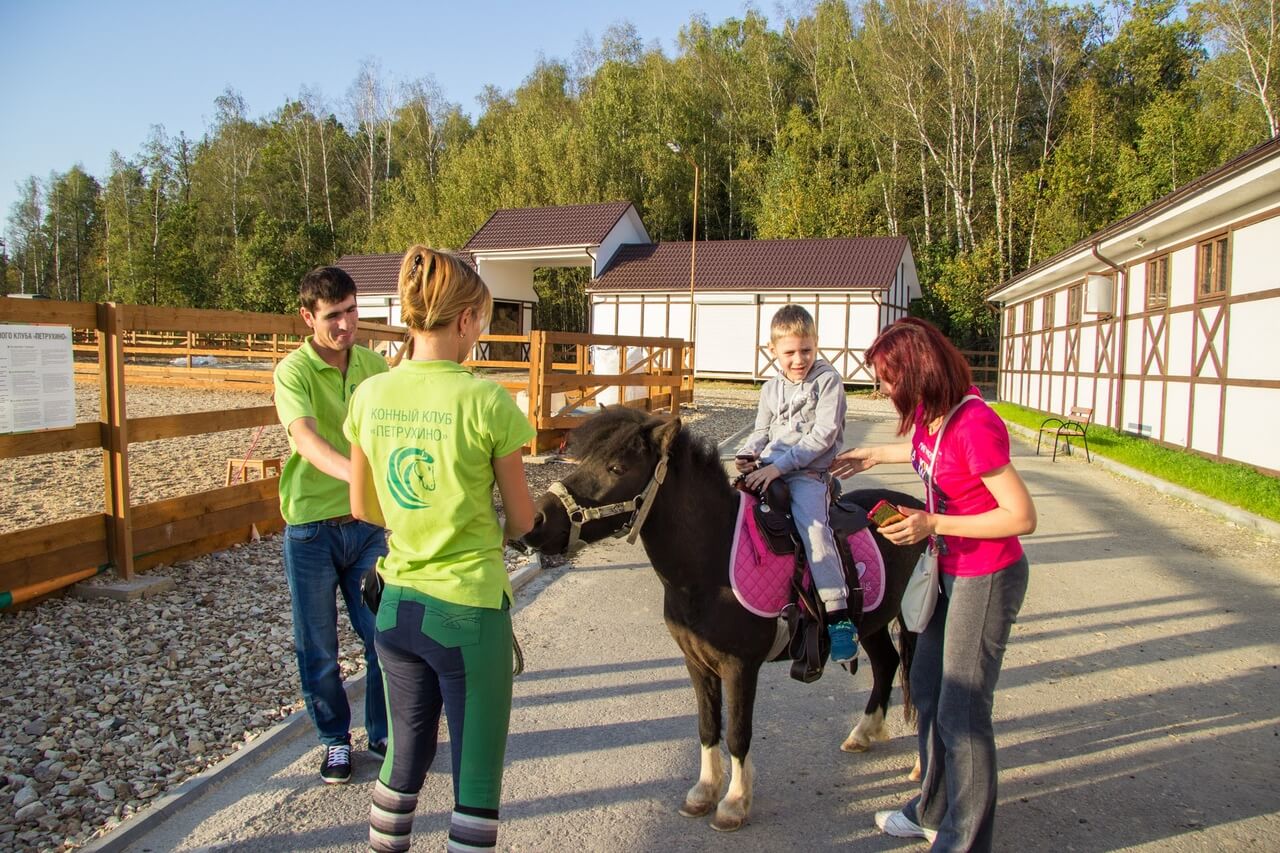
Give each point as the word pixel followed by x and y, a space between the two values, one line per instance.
pixel 617 452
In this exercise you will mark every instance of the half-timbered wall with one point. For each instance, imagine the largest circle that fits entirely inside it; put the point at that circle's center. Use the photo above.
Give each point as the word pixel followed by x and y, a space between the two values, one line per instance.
pixel 1192 370
pixel 732 335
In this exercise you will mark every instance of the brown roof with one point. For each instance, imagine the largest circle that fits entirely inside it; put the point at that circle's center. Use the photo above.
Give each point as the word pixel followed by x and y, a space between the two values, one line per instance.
pixel 810 264
pixel 380 274
pixel 569 225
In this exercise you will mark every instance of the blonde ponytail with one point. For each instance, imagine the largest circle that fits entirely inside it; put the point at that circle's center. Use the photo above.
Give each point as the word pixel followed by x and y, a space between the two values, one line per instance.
pixel 436 287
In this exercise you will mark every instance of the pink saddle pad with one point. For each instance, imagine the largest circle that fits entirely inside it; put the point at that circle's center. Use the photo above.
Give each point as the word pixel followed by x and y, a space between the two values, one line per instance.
pixel 761 579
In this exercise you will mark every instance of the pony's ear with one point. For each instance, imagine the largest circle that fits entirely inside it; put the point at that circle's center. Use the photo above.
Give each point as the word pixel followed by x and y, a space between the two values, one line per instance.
pixel 665 432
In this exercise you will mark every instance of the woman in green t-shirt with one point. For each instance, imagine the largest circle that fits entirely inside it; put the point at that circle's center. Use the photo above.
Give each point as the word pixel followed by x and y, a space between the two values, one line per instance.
pixel 428 441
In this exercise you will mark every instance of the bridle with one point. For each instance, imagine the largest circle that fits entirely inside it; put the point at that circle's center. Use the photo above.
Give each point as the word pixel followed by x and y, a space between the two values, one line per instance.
pixel 638 506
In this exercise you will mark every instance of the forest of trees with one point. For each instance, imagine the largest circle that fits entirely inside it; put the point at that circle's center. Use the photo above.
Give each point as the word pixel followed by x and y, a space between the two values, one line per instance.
pixel 993 134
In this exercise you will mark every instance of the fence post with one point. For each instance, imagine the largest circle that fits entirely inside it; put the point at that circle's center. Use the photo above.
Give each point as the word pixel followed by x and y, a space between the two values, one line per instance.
pixel 677 377
pixel 535 385
pixel 115 440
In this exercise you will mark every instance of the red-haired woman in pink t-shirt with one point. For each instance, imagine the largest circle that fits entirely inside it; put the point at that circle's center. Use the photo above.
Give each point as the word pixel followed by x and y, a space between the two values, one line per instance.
pixel 981 507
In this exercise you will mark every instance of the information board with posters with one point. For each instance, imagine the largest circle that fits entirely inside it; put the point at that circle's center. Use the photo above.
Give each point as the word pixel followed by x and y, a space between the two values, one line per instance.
pixel 37 384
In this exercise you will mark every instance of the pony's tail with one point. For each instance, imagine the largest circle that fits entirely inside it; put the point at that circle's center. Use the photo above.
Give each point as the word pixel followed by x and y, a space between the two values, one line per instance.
pixel 906 651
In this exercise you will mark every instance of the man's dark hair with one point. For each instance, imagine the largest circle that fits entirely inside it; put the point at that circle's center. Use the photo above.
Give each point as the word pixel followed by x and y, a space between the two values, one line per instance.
pixel 327 284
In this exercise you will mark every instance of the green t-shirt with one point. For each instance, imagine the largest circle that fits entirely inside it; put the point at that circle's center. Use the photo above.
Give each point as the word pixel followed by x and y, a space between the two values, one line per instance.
pixel 306 386
pixel 431 430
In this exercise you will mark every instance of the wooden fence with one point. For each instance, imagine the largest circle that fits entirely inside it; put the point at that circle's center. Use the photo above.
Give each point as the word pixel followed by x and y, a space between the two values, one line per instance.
pixel 557 375
pixel 564 384
pixel 124 536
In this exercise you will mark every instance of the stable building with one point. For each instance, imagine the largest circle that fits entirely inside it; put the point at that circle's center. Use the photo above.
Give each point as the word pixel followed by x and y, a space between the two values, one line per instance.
pixel 853 287
pixel 723 292
pixel 1163 322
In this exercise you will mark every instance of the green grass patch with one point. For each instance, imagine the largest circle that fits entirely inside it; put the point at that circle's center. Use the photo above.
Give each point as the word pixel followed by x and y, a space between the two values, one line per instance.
pixel 1235 484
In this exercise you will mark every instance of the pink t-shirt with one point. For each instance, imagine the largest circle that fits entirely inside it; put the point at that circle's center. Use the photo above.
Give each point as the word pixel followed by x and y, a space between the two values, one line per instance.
pixel 976 441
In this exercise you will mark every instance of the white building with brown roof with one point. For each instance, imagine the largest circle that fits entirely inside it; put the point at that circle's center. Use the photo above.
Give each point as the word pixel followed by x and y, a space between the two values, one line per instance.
pixel 854 287
pixel 1163 322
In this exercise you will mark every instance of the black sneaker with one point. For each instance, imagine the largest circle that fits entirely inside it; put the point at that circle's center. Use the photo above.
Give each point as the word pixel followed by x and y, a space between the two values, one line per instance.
pixel 336 767
pixel 378 748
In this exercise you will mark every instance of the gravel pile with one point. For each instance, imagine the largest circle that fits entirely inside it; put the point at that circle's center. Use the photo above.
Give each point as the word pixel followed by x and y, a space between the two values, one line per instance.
pixel 108 705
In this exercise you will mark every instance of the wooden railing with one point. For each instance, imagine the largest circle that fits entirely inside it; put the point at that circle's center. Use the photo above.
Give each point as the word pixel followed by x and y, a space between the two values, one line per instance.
pixel 559 377
pixel 124 536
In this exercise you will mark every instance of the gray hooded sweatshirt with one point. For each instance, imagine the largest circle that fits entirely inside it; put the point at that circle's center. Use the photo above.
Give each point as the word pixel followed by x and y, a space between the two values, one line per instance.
pixel 800 425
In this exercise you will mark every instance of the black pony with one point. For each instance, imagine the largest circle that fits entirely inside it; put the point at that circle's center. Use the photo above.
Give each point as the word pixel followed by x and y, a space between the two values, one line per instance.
pixel 688 534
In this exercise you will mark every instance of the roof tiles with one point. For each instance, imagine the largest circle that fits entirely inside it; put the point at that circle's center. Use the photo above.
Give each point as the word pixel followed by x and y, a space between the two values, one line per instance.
pixel 527 227
pixel 805 264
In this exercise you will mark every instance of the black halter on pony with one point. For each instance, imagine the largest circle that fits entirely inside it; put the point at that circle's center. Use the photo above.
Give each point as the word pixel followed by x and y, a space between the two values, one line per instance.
pixel 638 506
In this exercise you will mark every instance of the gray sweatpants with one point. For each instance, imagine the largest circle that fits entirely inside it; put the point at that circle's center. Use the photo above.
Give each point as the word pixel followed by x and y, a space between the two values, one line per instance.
pixel 811 509
pixel 953 682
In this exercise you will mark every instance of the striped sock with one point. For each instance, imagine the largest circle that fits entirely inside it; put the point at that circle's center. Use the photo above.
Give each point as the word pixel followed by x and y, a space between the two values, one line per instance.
pixel 472 829
pixel 390 819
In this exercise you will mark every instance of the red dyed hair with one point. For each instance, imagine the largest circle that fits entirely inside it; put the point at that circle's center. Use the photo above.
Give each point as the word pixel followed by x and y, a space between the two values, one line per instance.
pixel 926 370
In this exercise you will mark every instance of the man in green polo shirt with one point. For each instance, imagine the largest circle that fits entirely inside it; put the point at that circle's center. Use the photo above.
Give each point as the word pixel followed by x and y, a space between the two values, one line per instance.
pixel 326 550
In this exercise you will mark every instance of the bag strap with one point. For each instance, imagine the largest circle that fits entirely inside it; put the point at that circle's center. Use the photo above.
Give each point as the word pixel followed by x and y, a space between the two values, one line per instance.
pixel 933 463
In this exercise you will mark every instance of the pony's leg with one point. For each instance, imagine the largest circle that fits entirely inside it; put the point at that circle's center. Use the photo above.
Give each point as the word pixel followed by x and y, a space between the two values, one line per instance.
pixel 740 696
pixel 702 797
pixel 884 663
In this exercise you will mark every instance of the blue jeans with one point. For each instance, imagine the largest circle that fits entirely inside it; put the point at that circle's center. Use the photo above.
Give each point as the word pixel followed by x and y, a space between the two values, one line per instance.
pixel 811 509
pixel 320 559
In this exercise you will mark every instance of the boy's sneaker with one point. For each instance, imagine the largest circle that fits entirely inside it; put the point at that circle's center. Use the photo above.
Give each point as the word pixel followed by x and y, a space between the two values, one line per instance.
pixel 844 642
pixel 897 824
pixel 336 767
pixel 378 748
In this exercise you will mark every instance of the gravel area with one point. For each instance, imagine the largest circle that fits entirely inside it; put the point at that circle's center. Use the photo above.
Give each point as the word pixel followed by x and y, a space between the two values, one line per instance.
pixel 108 705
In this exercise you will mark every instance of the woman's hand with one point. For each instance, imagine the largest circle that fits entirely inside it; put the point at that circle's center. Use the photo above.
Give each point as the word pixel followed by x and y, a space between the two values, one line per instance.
pixel 853 461
pixel 916 527
pixel 759 479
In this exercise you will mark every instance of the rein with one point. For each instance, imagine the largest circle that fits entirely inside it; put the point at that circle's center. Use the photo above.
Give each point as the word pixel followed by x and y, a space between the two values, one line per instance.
pixel 638 506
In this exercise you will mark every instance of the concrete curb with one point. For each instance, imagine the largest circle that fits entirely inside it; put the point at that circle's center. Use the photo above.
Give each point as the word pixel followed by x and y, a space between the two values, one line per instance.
pixel 136 828
pixel 734 440
pixel 1235 514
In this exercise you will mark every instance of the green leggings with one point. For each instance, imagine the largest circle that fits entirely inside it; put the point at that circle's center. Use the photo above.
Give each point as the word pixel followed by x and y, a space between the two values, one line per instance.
pixel 437 655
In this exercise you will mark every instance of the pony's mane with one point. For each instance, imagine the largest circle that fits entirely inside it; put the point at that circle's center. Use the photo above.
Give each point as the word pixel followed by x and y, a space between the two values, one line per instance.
pixel 619 430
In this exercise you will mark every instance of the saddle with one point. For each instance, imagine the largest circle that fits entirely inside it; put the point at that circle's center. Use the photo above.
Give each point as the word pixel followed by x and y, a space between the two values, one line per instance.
pixel 805 617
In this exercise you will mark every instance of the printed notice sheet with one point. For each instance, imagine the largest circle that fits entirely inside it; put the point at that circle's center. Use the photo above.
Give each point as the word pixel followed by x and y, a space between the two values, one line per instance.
pixel 37 386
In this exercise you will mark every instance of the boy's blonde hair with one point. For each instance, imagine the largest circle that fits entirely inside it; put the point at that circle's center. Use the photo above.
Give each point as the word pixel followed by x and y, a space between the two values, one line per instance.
pixel 792 320
pixel 436 287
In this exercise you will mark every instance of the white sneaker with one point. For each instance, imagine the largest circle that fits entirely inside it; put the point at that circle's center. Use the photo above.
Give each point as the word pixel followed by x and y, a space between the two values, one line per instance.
pixel 897 824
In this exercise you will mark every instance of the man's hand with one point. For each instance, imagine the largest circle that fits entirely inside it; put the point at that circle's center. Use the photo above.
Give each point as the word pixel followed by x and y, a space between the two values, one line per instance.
pixel 759 479
pixel 744 462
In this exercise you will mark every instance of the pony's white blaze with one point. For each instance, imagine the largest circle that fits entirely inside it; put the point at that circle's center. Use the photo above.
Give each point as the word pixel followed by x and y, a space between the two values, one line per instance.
pixel 870 728
pixel 702 796
pixel 736 805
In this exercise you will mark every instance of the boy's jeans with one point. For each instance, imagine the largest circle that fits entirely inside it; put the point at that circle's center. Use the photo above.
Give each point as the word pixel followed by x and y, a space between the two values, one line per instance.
pixel 811 509
pixel 322 558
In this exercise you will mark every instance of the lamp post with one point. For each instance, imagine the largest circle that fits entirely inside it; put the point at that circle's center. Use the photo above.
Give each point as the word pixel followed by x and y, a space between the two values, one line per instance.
pixel 693 247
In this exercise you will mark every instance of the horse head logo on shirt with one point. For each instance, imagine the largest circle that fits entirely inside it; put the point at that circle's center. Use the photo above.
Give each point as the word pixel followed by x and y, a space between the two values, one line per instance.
pixel 410 476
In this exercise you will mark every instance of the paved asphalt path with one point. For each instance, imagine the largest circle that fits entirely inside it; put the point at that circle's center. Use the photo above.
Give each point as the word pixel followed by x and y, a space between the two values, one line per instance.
pixel 1137 710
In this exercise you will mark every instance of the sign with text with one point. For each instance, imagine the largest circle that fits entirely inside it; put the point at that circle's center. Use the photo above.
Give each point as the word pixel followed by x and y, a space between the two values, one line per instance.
pixel 37 385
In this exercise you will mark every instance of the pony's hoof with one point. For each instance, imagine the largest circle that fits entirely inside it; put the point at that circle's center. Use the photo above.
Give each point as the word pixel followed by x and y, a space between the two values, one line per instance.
pixel 726 823
pixel 916 773
pixel 691 809
pixel 854 745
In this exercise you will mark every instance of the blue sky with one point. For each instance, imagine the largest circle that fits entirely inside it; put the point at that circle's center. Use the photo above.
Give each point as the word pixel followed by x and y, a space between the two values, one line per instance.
pixel 79 79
